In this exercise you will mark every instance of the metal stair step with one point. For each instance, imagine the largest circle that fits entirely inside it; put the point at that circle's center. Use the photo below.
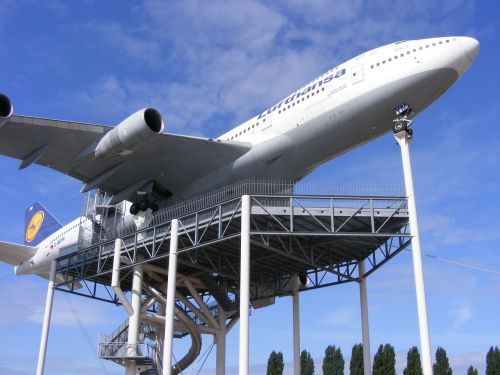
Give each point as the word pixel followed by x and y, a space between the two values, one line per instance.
pixel 218 292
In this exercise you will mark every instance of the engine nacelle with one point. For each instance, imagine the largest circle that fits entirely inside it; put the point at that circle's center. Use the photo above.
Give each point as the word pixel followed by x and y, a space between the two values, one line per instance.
pixel 6 109
pixel 284 286
pixel 286 283
pixel 131 134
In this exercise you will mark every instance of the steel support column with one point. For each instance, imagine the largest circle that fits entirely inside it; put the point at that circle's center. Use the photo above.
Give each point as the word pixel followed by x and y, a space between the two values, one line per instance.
pixel 244 285
pixel 170 305
pixel 46 319
pixel 404 139
pixel 296 325
pixel 160 334
pixel 134 320
pixel 365 329
pixel 220 342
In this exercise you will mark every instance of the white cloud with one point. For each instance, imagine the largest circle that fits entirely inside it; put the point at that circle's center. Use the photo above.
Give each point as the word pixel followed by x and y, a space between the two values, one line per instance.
pixel 461 315
pixel 444 230
pixel 7 8
pixel 343 317
pixel 58 7
pixel 461 362
pixel 324 12
pixel 106 98
pixel 27 304
pixel 131 44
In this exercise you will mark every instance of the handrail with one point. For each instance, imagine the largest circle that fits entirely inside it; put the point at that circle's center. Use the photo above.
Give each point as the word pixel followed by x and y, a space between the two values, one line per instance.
pixel 225 194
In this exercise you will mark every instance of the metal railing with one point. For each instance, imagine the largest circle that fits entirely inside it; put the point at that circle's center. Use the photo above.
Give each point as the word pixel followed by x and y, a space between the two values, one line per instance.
pixel 120 331
pixel 109 225
pixel 327 216
pixel 123 350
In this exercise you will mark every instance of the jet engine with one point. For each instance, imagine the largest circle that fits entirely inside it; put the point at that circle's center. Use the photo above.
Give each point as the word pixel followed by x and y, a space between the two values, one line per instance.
pixel 284 287
pixel 6 109
pixel 286 283
pixel 131 134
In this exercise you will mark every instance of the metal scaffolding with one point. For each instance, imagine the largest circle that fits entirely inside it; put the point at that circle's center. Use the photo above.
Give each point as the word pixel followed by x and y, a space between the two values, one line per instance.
pixel 319 239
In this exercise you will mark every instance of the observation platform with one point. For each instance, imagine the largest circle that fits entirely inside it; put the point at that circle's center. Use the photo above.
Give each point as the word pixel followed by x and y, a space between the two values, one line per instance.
pixel 318 234
pixel 244 244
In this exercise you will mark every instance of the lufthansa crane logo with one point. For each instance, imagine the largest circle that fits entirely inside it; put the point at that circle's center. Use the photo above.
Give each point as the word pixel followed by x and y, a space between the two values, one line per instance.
pixel 34 226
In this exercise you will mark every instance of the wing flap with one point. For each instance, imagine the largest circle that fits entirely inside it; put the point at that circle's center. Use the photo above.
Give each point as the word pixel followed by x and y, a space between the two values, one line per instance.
pixel 15 254
pixel 22 136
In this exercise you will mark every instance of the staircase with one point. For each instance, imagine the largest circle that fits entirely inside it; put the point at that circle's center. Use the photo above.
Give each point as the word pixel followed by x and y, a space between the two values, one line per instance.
pixel 219 292
pixel 114 347
pixel 98 220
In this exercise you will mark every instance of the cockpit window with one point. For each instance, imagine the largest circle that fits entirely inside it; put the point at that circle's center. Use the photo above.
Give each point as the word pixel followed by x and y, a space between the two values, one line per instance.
pixel 401 41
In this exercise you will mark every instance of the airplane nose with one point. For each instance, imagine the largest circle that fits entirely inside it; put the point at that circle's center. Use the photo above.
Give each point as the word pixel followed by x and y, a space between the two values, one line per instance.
pixel 471 47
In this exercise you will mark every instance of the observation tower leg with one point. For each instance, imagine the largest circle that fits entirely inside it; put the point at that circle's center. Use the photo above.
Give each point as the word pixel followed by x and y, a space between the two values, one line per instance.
pixel 365 329
pixel 46 320
pixel 220 342
pixel 296 325
pixel 169 315
pixel 244 284
pixel 404 137
pixel 160 336
pixel 134 320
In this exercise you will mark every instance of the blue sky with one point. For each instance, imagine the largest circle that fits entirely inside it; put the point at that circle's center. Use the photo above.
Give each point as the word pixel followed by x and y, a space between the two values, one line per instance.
pixel 208 66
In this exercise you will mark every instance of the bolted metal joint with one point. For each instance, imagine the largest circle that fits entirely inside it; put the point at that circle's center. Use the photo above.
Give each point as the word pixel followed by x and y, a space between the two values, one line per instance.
pixel 402 127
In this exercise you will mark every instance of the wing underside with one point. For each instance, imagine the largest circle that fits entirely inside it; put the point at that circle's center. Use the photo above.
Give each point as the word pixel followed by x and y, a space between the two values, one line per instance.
pixel 170 161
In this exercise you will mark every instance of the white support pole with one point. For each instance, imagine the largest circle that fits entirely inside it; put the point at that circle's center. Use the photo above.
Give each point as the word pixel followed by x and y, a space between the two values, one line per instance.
pixel 403 139
pixel 170 305
pixel 160 334
pixel 46 320
pixel 365 329
pixel 134 320
pixel 244 285
pixel 296 325
pixel 115 278
pixel 220 342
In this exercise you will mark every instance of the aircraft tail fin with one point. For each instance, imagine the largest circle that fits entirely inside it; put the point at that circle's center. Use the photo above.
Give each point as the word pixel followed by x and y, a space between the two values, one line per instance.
pixel 39 224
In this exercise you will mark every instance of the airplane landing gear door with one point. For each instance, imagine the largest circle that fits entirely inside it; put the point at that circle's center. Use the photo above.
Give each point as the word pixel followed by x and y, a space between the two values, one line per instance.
pixel 357 74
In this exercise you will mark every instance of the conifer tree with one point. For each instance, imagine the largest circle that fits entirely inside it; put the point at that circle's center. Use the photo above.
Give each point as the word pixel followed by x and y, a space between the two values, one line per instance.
pixel 442 365
pixel 275 364
pixel 390 359
pixel 333 363
pixel 493 361
pixel 306 363
pixel 413 364
pixel 384 362
pixel 378 361
pixel 472 371
pixel 356 365
pixel 489 361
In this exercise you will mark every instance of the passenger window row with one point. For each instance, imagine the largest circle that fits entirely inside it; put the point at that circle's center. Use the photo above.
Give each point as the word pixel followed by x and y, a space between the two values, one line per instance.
pixel 291 105
pixel 402 54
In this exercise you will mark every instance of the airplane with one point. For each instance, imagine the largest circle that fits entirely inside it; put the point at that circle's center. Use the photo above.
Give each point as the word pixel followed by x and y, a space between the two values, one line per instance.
pixel 137 162
pixel 45 239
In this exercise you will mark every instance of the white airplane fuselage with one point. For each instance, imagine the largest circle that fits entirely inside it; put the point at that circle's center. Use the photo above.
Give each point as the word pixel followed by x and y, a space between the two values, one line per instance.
pixel 343 108
pixel 64 240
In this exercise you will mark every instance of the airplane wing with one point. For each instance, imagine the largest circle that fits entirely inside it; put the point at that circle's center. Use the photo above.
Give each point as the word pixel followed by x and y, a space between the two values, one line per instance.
pixel 170 160
pixel 15 254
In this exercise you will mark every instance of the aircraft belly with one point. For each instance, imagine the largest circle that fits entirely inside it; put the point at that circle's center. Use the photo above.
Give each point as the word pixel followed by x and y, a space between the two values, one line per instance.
pixel 364 118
